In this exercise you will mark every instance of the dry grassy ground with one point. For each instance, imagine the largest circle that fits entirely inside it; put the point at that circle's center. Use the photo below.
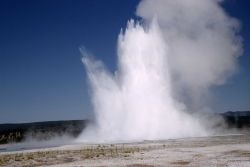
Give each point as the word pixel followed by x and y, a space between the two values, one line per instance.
pixel 230 150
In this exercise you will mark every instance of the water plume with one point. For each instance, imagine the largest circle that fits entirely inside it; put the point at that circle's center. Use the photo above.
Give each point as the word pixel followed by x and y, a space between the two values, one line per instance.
pixel 136 102
pixel 182 47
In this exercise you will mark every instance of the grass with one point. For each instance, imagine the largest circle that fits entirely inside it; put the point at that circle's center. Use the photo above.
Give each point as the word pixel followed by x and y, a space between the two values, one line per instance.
pixel 139 165
pixel 182 163
pixel 65 156
pixel 239 153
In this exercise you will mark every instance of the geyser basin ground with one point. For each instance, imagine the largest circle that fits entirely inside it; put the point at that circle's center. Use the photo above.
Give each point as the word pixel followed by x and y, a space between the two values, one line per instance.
pixel 228 150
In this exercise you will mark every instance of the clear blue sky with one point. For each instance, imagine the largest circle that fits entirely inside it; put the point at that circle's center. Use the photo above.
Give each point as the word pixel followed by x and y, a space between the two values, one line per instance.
pixel 41 74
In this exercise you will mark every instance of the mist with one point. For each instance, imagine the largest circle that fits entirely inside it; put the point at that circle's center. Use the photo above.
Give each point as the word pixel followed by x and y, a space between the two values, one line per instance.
pixel 167 63
pixel 203 41
pixel 30 143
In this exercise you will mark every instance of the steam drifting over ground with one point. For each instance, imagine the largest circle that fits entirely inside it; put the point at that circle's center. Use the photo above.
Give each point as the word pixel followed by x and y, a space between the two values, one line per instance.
pixel 181 49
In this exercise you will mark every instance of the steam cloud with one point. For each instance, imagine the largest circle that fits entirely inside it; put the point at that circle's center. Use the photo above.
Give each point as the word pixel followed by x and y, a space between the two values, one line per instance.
pixel 203 43
pixel 181 49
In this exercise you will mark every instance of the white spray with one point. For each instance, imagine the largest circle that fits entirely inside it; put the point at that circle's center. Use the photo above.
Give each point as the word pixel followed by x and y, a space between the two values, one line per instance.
pixel 140 100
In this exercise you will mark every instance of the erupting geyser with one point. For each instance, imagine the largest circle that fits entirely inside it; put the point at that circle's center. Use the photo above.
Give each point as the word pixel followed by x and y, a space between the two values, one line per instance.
pixel 188 46
pixel 136 102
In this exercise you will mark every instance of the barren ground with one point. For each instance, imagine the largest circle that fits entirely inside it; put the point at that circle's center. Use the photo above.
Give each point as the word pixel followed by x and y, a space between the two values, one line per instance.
pixel 228 150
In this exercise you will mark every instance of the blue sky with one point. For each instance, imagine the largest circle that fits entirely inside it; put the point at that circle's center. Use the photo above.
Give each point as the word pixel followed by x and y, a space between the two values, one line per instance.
pixel 41 73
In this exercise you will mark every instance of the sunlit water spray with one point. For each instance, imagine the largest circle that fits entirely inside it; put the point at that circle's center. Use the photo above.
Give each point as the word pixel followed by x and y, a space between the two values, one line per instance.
pixel 136 102
pixel 193 46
